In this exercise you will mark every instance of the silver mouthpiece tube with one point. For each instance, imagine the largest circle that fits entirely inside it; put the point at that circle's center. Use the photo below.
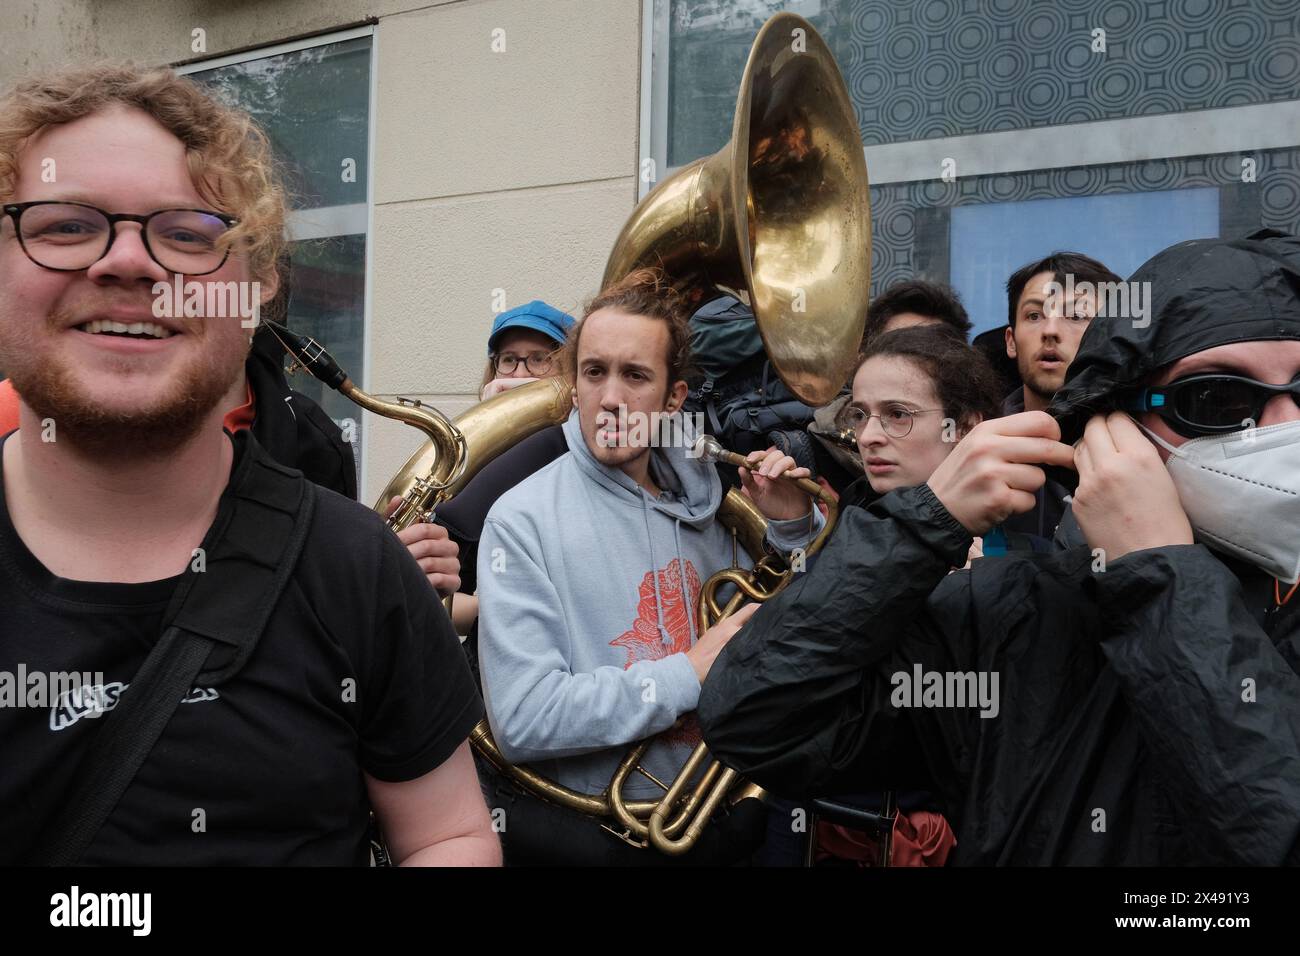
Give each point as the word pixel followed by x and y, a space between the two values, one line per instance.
pixel 707 448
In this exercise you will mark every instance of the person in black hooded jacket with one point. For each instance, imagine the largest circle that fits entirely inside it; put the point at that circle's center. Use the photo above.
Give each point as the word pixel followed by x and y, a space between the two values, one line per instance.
pixel 293 428
pixel 1148 705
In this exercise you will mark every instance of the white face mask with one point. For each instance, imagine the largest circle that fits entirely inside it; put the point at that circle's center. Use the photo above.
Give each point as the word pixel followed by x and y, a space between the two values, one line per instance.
pixel 1241 493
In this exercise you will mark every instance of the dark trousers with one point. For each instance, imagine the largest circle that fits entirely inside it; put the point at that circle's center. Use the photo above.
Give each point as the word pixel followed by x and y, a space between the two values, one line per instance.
pixel 539 833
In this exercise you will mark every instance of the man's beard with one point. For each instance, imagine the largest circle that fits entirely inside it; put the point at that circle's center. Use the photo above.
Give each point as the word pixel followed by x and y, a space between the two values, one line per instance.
pixel 106 434
pixel 1042 385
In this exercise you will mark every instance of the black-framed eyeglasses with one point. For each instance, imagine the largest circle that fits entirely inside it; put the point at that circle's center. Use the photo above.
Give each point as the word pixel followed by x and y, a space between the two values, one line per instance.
pixel 71 236
pixel 537 363
pixel 1211 404
pixel 896 420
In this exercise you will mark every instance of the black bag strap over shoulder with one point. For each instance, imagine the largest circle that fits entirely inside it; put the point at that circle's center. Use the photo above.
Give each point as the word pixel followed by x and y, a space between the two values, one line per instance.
pixel 216 617
pixel 125 740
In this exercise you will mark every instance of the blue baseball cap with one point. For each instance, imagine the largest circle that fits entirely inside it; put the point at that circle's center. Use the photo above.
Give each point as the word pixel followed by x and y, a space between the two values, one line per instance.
pixel 536 315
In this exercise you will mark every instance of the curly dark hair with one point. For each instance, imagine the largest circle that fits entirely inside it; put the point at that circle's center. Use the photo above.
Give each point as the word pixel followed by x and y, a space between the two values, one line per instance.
pixel 964 381
pixel 646 292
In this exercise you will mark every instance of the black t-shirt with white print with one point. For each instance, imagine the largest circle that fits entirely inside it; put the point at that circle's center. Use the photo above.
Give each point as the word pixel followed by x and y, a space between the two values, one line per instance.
pixel 358 669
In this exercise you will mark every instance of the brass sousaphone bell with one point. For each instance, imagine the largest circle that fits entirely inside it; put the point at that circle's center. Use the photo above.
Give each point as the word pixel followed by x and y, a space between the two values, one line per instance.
pixel 780 217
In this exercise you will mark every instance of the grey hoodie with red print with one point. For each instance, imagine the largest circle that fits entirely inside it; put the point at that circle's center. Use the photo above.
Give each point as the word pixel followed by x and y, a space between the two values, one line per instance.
pixel 587 596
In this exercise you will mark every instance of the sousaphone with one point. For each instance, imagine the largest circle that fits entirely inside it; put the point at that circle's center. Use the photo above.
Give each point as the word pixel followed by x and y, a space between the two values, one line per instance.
pixel 779 218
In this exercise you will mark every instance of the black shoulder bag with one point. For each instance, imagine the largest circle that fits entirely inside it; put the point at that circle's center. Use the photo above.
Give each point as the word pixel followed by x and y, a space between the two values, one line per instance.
pixel 216 617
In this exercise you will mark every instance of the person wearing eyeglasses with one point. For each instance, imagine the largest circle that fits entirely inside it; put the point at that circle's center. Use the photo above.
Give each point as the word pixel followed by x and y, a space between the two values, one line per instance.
pixel 904 427
pixel 1146 683
pixel 522 346
pixel 289 425
pixel 905 304
pixel 220 633
pixel 916 393
pixel 67 236
pixel 521 349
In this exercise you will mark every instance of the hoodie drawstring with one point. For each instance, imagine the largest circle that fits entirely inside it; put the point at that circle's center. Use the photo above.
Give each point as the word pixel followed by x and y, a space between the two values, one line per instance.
pixel 664 636
pixel 681 569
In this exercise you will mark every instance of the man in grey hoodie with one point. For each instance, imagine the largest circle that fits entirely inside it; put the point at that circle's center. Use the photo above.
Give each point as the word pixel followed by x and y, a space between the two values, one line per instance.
pixel 590 570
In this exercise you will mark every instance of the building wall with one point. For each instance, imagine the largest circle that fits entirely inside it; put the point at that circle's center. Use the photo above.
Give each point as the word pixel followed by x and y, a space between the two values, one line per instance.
pixel 35 34
pixel 518 177
pixel 506 170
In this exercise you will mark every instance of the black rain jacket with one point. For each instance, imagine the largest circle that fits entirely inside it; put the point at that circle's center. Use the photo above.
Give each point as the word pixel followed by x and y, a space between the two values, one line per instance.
pixel 294 429
pixel 1148 713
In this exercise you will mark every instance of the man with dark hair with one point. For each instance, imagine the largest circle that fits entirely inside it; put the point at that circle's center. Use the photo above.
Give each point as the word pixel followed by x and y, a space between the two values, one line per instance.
pixel 916 302
pixel 1043 330
pixel 1047 318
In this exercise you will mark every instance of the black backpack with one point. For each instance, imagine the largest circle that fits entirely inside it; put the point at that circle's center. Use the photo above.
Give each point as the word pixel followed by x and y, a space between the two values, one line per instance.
pixel 743 402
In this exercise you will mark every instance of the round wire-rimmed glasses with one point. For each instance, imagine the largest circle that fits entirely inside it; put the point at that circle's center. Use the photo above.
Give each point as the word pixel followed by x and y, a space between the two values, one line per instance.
pixel 895 420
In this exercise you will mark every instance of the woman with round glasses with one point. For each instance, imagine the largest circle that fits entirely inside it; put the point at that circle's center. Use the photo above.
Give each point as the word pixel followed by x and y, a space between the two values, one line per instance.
pixel 521 349
pixel 522 346
pixel 916 393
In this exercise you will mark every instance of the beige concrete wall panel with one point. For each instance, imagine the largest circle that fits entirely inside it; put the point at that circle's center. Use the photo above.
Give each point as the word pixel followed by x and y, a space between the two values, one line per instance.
pixel 437 264
pixel 558 105
pixel 42 34
pixel 159 31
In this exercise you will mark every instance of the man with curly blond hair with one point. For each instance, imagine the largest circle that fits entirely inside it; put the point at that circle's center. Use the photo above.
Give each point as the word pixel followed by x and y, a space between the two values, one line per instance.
pixel 289 425
pixel 124 507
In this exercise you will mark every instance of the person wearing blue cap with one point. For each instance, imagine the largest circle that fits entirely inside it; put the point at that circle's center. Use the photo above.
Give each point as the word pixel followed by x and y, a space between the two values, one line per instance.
pixel 522 346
